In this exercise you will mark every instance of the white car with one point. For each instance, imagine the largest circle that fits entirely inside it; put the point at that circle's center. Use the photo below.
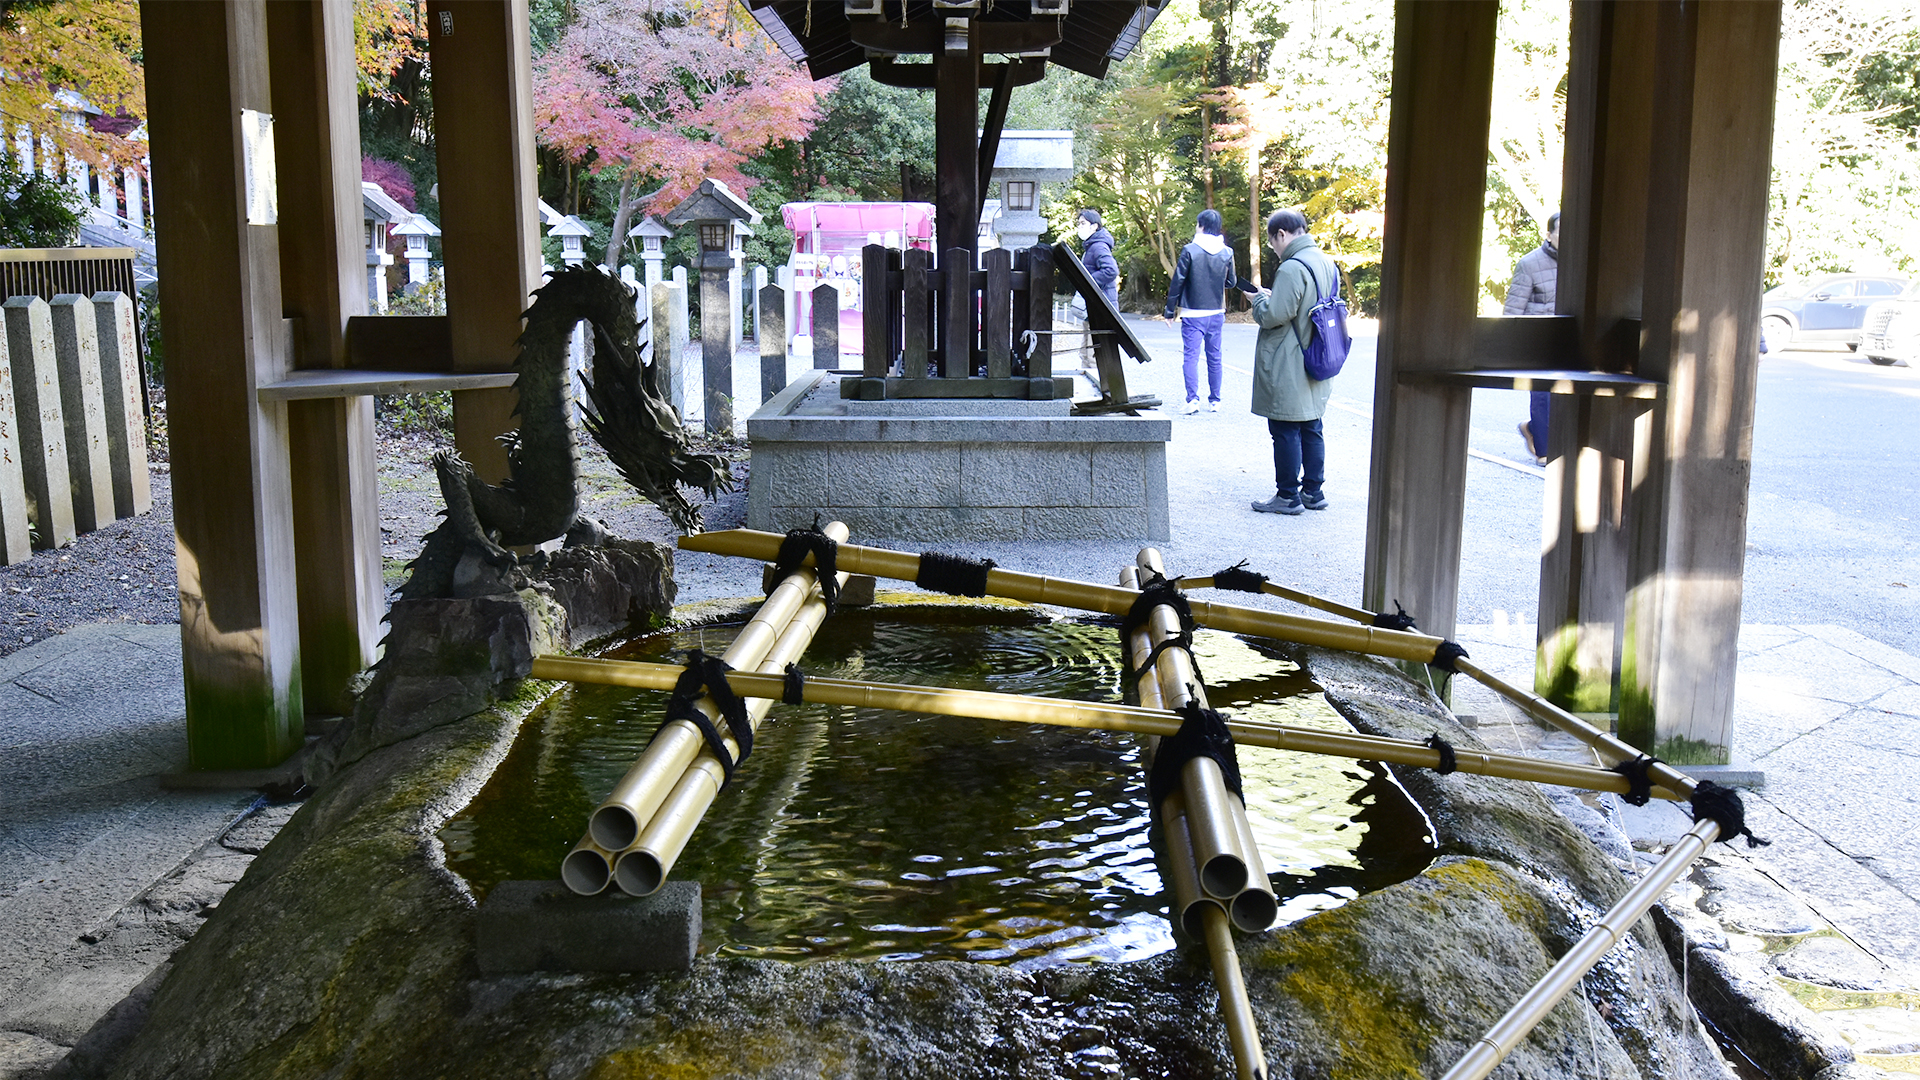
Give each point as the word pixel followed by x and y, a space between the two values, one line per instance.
pixel 1891 331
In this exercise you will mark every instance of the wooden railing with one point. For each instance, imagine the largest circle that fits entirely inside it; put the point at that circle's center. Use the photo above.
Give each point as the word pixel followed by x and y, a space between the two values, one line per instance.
pixel 932 333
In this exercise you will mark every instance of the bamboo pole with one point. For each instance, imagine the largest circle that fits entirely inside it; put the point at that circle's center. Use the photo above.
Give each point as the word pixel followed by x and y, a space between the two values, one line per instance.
pixel 643 868
pixel 1086 596
pixel 1192 905
pixel 1500 1040
pixel 587 868
pixel 1305 599
pixel 1029 709
pixel 616 823
pixel 1252 904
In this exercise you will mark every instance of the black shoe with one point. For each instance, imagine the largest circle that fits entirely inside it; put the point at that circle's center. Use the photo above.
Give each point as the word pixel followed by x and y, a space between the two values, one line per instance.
pixel 1280 505
pixel 1313 500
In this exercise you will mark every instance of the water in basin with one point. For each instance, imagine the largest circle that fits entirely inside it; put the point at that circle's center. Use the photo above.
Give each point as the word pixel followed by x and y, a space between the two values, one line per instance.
pixel 866 834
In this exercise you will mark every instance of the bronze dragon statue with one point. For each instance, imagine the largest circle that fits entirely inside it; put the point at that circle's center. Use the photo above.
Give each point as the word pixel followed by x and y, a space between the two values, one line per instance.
pixel 629 417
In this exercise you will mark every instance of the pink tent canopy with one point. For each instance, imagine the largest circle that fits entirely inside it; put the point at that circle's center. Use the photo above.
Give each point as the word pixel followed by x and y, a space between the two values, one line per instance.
pixel 834 228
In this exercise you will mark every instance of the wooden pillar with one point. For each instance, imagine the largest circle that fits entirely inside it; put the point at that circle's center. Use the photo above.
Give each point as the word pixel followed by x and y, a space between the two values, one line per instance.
pixel 1705 249
pixel 956 134
pixel 1583 560
pixel 1436 189
pixel 336 499
pixel 489 228
pixel 206 75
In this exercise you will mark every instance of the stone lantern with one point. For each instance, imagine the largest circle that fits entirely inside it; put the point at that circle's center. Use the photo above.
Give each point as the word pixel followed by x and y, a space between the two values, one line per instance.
pixel 381 211
pixel 571 231
pixel 417 229
pixel 714 209
pixel 1024 161
pixel 652 234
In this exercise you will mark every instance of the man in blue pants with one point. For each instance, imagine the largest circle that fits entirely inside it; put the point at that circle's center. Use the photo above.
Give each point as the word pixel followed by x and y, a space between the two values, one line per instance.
pixel 1198 296
pixel 1534 288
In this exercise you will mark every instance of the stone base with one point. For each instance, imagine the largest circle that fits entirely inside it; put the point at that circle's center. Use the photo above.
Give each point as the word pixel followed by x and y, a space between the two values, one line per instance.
pixel 543 926
pixel 956 475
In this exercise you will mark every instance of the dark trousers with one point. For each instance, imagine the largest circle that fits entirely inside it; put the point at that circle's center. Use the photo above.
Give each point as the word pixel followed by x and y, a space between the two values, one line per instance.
pixel 1538 403
pixel 1299 457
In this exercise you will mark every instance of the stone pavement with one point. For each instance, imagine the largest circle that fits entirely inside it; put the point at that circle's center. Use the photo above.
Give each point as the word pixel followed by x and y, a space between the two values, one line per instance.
pixel 102 871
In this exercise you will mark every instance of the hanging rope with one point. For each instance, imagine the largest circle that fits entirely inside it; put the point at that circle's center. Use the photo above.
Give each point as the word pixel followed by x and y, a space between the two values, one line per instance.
pixel 796 684
pixel 1445 654
pixel 799 544
pixel 1237 578
pixel 1723 807
pixel 707 676
pixel 1203 733
pixel 1448 763
pixel 955 575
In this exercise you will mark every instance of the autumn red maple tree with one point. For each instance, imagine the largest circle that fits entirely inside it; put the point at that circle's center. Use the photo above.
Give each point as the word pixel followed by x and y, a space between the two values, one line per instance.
pixel 664 93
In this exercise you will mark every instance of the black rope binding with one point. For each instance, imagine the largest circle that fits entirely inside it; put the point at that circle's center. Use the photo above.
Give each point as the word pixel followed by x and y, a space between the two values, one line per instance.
pixel 955 575
pixel 795 686
pixel 1237 578
pixel 1723 807
pixel 799 544
pixel 1639 783
pixel 1203 733
pixel 707 675
pixel 1157 590
pixel 1445 654
pixel 1400 620
pixel 1448 763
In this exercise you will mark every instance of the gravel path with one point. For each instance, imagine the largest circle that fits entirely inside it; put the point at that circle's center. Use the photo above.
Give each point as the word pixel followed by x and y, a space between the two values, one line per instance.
pixel 125 571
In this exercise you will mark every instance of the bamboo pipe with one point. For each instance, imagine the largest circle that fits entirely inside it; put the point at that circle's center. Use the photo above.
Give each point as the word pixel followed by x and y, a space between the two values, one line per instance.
pixel 1678 785
pixel 1086 596
pixel 1201 916
pixel 1331 607
pixel 587 868
pixel 1029 709
pixel 1253 906
pixel 1500 1040
pixel 643 868
pixel 616 823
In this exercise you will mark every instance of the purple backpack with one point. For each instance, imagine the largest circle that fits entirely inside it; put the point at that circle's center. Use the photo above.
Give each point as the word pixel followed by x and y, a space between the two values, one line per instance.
pixel 1326 352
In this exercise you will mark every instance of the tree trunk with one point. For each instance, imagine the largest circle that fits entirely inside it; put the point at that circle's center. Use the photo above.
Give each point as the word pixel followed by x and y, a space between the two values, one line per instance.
pixel 1206 151
pixel 622 215
pixel 1256 229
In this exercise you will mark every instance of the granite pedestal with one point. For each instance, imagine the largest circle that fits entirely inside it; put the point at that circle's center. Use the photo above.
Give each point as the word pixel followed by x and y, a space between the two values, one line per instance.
pixel 955 469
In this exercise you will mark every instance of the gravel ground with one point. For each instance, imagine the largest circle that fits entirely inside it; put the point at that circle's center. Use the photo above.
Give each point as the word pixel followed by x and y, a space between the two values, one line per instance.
pixel 125 572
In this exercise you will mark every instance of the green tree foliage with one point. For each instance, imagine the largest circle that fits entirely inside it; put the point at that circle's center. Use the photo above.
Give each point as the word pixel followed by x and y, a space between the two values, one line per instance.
pixel 35 211
pixel 866 132
pixel 1526 143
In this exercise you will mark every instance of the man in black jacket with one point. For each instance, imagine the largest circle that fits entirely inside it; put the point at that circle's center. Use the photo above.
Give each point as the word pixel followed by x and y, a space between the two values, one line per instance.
pixel 1096 253
pixel 1198 296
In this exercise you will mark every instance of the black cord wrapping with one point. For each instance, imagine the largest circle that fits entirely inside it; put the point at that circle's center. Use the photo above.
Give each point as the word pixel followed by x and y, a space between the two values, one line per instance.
pixel 707 675
pixel 1448 763
pixel 1723 807
pixel 1400 620
pixel 1445 654
pixel 1237 578
pixel 799 544
pixel 1157 590
pixel 795 686
pixel 1639 783
pixel 955 575
pixel 1203 733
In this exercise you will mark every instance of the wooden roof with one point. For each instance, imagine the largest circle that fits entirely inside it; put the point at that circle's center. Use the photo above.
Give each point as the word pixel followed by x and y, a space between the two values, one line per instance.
pixel 1092 35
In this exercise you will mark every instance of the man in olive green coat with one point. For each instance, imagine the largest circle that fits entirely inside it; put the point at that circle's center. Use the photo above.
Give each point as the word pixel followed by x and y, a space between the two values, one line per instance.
pixel 1292 403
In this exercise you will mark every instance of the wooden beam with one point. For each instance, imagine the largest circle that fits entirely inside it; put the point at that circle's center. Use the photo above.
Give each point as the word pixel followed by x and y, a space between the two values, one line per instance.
pixel 928 36
pixel 888 72
pixel 400 343
pixel 490 222
pixel 336 499
pixel 1705 248
pixel 232 512
pixel 1583 551
pixel 1436 187
pixel 956 123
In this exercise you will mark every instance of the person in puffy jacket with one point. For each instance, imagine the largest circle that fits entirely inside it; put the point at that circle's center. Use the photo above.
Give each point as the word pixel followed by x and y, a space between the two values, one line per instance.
pixel 1533 292
pixel 1198 296
pixel 1096 252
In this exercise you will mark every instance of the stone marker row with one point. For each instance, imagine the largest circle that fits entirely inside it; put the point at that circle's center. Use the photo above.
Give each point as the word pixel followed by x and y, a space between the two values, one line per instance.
pixel 73 431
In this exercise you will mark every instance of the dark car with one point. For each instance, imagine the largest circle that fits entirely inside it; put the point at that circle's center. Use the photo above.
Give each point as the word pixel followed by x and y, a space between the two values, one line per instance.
pixel 1829 308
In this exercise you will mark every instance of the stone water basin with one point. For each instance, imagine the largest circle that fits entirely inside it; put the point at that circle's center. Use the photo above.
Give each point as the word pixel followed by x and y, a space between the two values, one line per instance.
pixel 873 835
